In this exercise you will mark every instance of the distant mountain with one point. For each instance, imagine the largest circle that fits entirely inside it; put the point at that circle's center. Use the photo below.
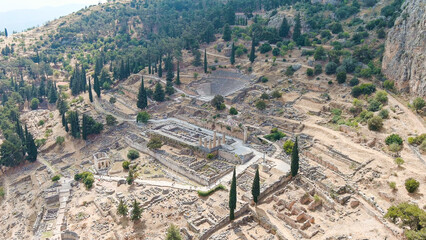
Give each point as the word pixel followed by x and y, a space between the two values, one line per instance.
pixel 20 20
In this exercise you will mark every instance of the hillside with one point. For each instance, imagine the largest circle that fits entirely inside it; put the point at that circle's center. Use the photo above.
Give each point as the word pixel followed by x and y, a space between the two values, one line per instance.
pixel 152 105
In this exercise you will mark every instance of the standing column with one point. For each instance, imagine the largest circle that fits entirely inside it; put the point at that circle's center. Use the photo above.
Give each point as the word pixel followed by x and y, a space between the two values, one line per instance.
pixel 245 134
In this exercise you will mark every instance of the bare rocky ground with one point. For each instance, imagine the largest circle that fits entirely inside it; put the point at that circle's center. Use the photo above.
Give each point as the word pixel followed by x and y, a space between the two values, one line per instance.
pixel 342 191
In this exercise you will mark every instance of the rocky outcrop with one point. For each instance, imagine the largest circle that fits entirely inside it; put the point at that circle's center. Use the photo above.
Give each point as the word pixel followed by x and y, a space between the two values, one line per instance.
pixel 404 59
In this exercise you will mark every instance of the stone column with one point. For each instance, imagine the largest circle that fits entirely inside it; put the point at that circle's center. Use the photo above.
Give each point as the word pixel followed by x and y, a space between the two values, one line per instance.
pixel 199 142
pixel 210 144
pixel 214 139
pixel 219 142
pixel 223 138
pixel 245 134
pixel 205 142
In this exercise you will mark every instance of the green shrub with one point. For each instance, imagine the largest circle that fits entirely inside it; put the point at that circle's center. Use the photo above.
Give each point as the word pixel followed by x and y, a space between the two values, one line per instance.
pixel 417 140
pixel 41 122
pixel 382 96
pixel 375 123
pixel 394 147
pixel 60 140
pixel 275 135
pixel 289 71
pixel 410 217
pixel 86 177
pixel 264 48
pixel 418 103
pixel 110 120
pixel 233 111
pixel 394 138
pixel 341 77
pixel 411 185
pixel 261 105
pixel 288 146
pixel 132 154
pixel 211 191
pixel 56 178
pixel 143 117
pixel 211 156
pixel 392 185
pixel 264 79
pixel 309 72
pixel 155 143
pixel 399 161
pixel 389 85
pixel 276 94
pixel 34 103
pixel 112 100
pixel 126 165
pixel 353 82
pixel 330 68
pixel 384 113
pixel 2 193
pixel 318 69
pixel 374 106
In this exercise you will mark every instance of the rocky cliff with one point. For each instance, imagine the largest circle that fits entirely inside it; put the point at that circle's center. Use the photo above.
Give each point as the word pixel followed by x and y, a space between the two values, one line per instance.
pixel 404 59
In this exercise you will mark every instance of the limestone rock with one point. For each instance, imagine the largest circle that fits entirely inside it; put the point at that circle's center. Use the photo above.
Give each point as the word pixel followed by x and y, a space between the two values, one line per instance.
pixel 404 59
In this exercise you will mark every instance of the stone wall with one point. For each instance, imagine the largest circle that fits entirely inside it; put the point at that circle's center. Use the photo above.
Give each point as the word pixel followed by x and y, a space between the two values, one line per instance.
pixel 224 221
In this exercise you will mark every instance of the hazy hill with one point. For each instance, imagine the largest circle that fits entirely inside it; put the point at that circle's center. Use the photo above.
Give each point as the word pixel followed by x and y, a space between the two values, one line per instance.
pixel 20 20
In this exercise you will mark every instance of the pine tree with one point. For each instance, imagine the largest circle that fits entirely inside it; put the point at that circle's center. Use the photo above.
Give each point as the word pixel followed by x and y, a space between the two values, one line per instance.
pixel 96 86
pixel 205 61
pixel 160 69
pixel 177 81
pixel 136 211
pixel 284 28
pixel 297 29
pixel 158 93
pixel 90 91
pixel 142 102
pixel 233 54
pixel 295 159
pixel 233 197
pixel 173 233
pixel 255 191
pixel 226 32
pixel 252 56
pixel 122 209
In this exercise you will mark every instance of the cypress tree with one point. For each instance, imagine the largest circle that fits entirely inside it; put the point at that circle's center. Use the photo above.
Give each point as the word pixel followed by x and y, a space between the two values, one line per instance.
pixel 75 125
pixel 284 28
pixel 96 86
pixel 5 32
pixel 205 61
pixel 42 88
pixel 142 102
pixel 177 81
pixel 84 127
pixel 64 121
pixel 226 32
pixel 255 191
pixel 252 56
pixel 295 159
pixel 160 69
pixel 52 95
pixel 158 93
pixel 61 105
pixel 233 197
pixel 136 211
pixel 30 146
pixel 169 88
pixel 233 54
pixel 90 91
